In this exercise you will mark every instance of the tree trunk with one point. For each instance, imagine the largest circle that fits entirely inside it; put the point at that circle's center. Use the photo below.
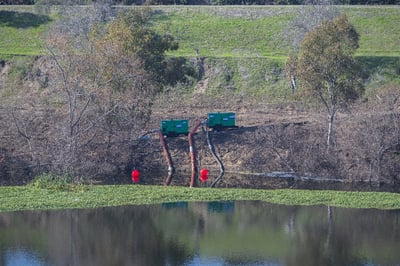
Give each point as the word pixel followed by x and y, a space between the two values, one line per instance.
pixel 330 128
pixel 293 83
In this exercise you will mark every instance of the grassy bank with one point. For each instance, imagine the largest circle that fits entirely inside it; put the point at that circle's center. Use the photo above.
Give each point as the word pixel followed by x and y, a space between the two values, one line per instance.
pixel 21 31
pixel 243 45
pixel 218 31
pixel 27 198
pixel 256 31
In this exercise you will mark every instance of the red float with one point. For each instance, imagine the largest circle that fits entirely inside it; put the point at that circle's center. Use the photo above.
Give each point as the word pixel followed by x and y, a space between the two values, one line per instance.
pixel 203 175
pixel 135 176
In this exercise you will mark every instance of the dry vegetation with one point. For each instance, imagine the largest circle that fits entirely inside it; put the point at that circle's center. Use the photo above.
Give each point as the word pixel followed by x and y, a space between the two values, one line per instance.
pixel 280 137
pixel 276 134
pixel 288 138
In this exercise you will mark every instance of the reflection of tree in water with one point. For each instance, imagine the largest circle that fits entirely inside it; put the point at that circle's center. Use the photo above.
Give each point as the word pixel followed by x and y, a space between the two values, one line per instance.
pixel 336 236
pixel 315 242
pixel 131 236
pixel 106 236
pixel 252 232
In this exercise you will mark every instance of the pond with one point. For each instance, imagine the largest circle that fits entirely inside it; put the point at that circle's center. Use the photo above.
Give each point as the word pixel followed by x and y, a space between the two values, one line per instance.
pixel 201 233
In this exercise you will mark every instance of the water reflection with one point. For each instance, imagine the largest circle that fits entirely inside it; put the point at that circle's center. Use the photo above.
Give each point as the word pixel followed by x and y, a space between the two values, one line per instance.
pixel 22 257
pixel 213 233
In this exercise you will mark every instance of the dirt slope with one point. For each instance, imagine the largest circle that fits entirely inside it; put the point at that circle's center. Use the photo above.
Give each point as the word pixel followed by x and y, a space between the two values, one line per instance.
pixel 259 154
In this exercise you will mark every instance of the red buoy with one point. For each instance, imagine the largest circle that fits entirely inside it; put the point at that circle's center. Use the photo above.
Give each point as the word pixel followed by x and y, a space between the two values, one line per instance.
pixel 135 176
pixel 203 175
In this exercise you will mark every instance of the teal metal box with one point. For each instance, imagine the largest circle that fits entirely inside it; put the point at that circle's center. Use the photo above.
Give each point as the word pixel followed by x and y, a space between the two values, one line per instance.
pixel 221 120
pixel 174 127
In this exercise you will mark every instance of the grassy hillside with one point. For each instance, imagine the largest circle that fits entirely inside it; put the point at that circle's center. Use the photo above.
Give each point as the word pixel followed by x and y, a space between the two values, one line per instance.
pixel 245 48
pixel 219 31
pixel 379 35
pixel 20 31
pixel 248 31
pixel 242 44
pixel 228 31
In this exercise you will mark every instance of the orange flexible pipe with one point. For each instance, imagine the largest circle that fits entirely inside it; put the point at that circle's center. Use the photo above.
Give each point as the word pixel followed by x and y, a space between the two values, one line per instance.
pixel 167 158
pixel 192 154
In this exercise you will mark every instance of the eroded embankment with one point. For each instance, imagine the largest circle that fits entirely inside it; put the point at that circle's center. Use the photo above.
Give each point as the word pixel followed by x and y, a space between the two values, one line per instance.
pixel 253 157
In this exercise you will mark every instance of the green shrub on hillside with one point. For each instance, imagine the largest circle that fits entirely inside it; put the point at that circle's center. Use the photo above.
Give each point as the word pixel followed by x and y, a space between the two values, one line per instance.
pixel 20 69
pixel 253 78
pixel 56 182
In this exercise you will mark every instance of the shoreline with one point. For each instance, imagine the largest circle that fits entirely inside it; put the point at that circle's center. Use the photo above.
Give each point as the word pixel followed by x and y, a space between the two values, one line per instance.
pixel 24 198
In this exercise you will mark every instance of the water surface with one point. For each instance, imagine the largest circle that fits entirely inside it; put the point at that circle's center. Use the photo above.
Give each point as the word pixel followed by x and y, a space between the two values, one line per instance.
pixel 213 233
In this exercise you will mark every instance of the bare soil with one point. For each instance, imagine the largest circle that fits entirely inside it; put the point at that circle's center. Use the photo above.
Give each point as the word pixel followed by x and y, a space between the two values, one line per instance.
pixel 258 153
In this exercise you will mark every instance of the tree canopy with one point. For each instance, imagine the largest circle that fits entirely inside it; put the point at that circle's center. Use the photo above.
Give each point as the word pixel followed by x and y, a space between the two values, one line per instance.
pixel 326 66
pixel 106 76
pixel 132 32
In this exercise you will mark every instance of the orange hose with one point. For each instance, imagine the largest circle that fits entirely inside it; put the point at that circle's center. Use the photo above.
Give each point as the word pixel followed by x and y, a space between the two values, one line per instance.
pixel 167 158
pixel 192 154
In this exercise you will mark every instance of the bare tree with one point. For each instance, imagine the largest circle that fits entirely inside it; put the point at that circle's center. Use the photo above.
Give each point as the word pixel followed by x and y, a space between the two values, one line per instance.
pixel 76 100
pixel 306 18
pixel 101 86
pixel 374 135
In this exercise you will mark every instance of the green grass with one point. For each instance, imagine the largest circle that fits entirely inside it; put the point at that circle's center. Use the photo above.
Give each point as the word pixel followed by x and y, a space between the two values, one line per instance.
pixel 255 31
pixel 242 44
pixel 222 32
pixel 376 25
pixel 28 198
pixel 219 31
pixel 20 32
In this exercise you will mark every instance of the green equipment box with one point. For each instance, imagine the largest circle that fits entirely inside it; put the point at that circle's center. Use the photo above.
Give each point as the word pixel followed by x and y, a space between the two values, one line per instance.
pixel 173 127
pixel 221 120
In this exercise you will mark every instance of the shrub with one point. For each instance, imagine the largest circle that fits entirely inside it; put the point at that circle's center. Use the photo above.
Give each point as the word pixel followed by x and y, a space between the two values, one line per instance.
pixel 51 181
